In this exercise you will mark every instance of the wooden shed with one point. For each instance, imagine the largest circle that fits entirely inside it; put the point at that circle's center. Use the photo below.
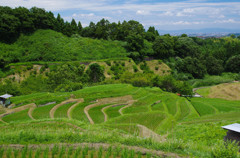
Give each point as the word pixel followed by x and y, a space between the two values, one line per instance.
pixel 5 100
pixel 233 132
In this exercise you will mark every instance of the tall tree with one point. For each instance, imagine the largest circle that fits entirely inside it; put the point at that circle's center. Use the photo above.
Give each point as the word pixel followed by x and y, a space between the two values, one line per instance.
pixel 74 27
pixel 59 23
pixel 80 28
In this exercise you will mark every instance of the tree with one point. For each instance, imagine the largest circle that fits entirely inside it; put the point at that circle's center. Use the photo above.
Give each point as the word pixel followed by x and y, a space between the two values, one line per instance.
pixel 185 46
pixel 163 47
pixel 42 19
pixel 214 66
pixel 9 25
pixel 135 42
pixel 79 28
pixel 25 18
pixel 59 23
pixel 102 28
pixel 74 27
pixel 67 30
pixel 95 73
pixel 193 66
pixel 233 64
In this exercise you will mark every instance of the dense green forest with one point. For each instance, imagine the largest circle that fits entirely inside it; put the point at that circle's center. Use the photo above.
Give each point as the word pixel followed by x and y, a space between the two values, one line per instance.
pixel 35 35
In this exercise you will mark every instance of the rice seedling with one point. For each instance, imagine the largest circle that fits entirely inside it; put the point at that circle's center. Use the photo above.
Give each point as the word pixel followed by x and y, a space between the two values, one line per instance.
pixel 62 152
pixel 100 152
pixel 30 153
pixel 45 153
pixel 70 152
pixel 37 153
pixel 24 152
pixel 9 153
pixel 132 154
pixel 77 152
pixel 124 153
pixel 1 152
pixel 55 150
pixel 15 153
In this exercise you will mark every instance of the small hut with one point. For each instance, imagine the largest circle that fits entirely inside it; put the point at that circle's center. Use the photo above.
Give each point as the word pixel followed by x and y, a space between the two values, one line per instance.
pixel 233 132
pixel 5 100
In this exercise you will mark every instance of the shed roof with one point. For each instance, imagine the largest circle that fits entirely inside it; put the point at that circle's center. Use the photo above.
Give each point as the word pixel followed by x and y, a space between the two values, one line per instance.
pixel 233 127
pixel 6 96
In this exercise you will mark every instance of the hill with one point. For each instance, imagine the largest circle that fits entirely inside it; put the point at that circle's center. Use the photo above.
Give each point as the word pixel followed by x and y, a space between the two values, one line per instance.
pixel 123 114
pixel 49 45
pixel 229 91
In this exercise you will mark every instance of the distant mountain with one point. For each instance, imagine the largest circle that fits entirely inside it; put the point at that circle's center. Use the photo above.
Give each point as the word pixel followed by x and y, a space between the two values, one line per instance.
pixel 210 31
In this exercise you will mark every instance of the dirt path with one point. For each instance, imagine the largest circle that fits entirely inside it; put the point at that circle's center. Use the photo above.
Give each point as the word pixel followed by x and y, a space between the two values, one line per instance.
pixel 103 101
pixel 52 111
pixel 104 113
pixel 73 106
pixel 95 146
pixel 147 133
pixel 11 111
pixel 31 110
pixel 129 103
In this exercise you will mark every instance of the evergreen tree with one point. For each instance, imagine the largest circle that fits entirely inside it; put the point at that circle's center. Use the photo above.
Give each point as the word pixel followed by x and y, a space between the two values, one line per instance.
pixel 74 27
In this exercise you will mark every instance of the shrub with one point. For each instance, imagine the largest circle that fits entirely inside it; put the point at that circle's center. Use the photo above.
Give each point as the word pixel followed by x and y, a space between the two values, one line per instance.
pixel 108 63
pixel 29 67
pixel 156 68
pixel 225 149
pixel 160 62
pixel 135 69
pixel 141 82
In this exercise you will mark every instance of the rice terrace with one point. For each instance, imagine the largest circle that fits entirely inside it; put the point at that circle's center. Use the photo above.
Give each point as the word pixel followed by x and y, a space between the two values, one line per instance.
pixel 115 119
pixel 81 79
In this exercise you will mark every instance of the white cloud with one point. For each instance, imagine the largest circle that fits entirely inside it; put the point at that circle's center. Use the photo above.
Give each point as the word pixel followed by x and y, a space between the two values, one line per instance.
pixel 227 21
pixel 142 12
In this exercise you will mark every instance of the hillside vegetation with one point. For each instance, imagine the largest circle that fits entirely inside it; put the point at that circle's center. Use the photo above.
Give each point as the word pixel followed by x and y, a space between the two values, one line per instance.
pixel 48 45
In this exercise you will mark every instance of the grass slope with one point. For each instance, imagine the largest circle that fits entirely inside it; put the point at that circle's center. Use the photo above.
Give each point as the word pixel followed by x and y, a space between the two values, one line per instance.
pixel 48 45
pixel 113 112
pixel 61 112
pixel 17 117
pixel 96 113
pixel 145 119
pixel 228 91
pixel 78 112
pixel 42 112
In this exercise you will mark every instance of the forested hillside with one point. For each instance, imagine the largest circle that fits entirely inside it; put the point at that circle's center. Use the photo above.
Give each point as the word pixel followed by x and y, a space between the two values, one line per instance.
pixel 35 35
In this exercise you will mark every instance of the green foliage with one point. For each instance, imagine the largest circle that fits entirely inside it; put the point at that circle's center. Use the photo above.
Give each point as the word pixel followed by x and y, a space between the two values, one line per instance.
pixel 233 64
pixel 95 73
pixel 225 149
pixel 168 83
pixel 61 112
pixel 213 80
pixel 163 47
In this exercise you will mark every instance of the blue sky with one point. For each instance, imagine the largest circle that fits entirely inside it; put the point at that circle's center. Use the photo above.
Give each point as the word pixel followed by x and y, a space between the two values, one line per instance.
pixel 163 14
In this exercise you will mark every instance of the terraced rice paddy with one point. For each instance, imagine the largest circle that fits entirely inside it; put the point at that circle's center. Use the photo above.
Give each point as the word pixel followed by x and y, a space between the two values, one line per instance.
pixel 116 110
pixel 42 112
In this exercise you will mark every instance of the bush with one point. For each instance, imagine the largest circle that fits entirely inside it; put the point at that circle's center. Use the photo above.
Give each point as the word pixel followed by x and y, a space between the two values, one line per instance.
pixel 160 62
pixel 135 69
pixel 29 67
pixel 233 64
pixel 156 68
pixel 140 82
pixel 225 149
pixel 108 63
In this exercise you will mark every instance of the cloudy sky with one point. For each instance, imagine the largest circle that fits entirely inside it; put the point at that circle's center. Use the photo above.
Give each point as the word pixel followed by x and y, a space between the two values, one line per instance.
pixel 163 14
